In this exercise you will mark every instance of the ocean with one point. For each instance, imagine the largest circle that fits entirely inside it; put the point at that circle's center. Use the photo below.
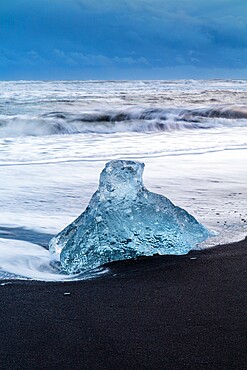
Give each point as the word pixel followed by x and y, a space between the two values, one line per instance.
pixel 55 138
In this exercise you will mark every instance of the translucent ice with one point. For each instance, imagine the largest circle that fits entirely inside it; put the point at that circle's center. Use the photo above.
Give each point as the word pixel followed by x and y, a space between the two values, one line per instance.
pixel 124 220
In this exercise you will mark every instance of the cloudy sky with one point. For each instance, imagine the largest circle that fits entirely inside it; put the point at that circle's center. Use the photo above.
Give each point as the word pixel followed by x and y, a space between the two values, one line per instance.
pixel 123 39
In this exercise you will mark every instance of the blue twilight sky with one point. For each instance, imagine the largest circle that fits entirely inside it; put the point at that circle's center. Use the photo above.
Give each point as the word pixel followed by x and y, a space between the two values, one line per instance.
pixel 122 39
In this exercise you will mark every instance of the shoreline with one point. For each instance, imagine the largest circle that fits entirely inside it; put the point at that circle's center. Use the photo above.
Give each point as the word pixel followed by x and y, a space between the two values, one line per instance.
pixel 161 312
pixel 213 191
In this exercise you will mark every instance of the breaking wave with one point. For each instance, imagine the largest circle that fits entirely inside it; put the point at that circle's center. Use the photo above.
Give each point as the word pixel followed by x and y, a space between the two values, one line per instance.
pixel 128 120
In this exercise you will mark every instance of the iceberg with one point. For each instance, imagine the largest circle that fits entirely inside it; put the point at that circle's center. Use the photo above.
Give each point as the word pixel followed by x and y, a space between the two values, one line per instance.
pixel 124 220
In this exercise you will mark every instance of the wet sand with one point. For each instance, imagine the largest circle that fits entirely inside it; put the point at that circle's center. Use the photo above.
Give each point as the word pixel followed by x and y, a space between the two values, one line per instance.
pixel 170 312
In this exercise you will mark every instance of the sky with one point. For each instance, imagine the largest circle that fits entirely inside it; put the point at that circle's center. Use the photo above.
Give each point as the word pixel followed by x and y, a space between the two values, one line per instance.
pixel 123 39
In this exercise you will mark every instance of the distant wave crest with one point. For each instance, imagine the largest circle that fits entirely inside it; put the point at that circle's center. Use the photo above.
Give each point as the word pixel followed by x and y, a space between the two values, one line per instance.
pixel 127 120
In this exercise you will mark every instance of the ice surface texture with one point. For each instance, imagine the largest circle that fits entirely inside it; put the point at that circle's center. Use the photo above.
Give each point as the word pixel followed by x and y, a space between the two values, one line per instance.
pixel 124 220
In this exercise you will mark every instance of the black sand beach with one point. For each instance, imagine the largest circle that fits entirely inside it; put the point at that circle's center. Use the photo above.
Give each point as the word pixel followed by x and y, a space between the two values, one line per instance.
pixel 182 312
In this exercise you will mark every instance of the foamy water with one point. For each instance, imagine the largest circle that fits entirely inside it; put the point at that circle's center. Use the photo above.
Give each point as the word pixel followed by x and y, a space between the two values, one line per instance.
pixel 55 138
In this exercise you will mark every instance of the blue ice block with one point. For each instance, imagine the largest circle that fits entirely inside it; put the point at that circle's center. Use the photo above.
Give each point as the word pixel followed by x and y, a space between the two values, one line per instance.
pixel 124 220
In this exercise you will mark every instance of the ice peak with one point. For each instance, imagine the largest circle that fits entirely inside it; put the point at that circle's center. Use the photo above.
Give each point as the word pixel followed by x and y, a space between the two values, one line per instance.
pixel 121 178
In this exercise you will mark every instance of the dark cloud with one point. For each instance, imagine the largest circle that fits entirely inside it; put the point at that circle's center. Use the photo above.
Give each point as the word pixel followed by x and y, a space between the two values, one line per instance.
pixel 75 37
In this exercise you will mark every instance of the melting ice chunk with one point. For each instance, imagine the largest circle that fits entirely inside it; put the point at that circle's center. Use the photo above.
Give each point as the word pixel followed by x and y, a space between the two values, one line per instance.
pixel 124 220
